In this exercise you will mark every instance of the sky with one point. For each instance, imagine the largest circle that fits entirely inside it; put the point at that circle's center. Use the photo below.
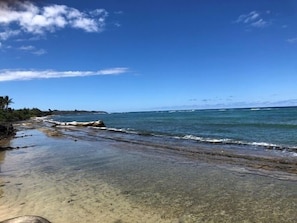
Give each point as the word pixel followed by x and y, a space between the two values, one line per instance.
pixel 141 55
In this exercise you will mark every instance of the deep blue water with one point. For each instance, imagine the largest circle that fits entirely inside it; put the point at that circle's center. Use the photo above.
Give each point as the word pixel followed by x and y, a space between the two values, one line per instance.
pixel 264 126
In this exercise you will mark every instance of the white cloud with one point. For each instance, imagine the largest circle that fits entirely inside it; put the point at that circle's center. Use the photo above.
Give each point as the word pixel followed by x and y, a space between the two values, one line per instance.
pixel 253 19
pixel 26 17
pixel 19 75
pixel 89 25
pixel 252 16
pixel 259 23
pixel 8 33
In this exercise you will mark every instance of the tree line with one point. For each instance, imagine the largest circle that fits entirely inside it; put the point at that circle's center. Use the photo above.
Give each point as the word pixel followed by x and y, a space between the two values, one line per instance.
pixel 8 114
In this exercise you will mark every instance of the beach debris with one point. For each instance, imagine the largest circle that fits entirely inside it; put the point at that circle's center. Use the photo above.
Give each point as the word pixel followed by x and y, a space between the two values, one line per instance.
pixel 26 219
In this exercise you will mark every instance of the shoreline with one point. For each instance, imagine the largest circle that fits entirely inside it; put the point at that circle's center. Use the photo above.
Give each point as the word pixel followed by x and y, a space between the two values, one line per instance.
pixel 72 175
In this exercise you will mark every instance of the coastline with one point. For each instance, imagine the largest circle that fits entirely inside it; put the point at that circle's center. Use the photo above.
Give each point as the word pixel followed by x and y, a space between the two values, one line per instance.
pixel 130 182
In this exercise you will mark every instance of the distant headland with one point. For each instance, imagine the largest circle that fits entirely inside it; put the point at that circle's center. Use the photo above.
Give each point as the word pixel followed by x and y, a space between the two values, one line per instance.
pixel 70 112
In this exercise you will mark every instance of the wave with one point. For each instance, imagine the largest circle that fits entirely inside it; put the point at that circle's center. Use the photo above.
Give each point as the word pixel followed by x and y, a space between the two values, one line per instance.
pixel 262 109
pixel 265 145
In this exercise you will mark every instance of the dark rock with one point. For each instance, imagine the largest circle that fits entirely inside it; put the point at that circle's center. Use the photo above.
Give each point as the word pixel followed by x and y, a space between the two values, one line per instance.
pixel 6 148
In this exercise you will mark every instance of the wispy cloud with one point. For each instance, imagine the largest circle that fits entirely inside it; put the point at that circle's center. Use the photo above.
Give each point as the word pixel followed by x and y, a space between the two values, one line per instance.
pixel 27 48
pixel 20 75
pixel 292 40
pixel 39 52
pixel 26 17
pixel 253 19
pixel 33 50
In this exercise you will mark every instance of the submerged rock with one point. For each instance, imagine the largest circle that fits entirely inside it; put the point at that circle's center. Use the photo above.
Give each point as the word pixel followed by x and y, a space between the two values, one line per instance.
pixel 26 219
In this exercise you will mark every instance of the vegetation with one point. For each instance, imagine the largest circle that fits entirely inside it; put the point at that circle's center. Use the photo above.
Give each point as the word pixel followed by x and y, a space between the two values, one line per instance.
pixel 8 114
pixel 11 115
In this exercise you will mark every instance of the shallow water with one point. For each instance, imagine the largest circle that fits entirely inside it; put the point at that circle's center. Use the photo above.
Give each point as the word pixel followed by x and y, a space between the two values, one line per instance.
pixel 76 178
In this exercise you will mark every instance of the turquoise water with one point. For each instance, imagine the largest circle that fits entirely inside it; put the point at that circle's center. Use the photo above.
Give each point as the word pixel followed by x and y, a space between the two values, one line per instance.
pixel 272 128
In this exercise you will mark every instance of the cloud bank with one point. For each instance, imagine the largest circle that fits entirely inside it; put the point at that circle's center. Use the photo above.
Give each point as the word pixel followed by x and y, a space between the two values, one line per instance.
pixel 20 75
pixel 25 17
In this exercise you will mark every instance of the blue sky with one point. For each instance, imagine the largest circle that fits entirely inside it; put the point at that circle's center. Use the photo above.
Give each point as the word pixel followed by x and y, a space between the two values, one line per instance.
pixel 136 55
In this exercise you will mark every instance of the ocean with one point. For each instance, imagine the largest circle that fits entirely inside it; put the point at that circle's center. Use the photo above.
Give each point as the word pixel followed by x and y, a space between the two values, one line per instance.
pixel 248 128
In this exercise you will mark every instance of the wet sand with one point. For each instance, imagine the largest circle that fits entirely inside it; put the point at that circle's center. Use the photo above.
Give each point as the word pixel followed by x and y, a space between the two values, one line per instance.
pixel 68 177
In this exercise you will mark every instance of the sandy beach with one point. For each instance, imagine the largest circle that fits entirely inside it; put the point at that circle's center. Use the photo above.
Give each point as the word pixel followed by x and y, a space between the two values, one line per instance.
pixel 57 174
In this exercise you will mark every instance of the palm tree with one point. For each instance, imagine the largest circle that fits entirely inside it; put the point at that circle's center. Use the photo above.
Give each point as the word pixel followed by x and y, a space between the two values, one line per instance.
pixel 5 102
pixel 8 101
